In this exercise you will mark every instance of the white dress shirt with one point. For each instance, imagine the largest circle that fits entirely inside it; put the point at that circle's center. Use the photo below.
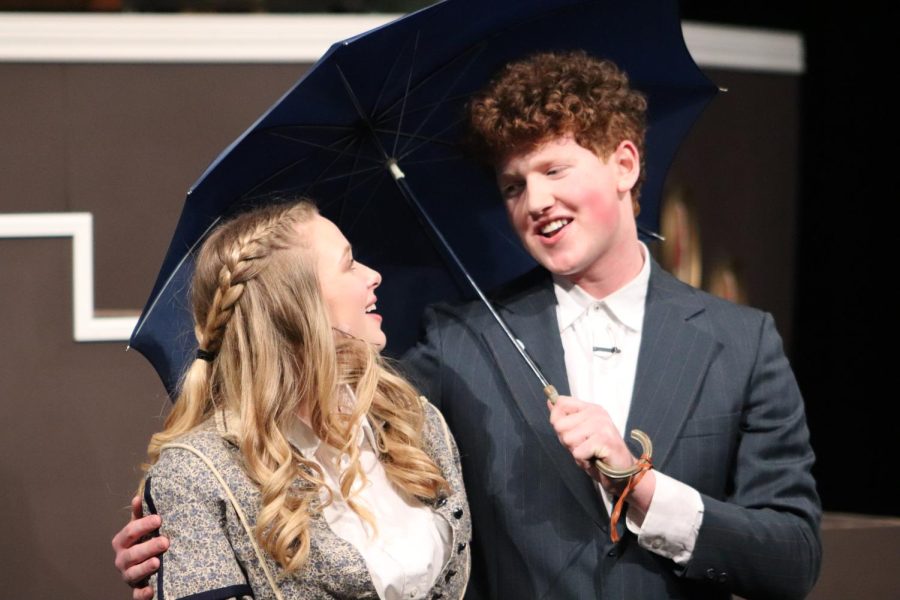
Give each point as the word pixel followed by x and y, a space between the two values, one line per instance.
pixel 601 339
pixel 412 542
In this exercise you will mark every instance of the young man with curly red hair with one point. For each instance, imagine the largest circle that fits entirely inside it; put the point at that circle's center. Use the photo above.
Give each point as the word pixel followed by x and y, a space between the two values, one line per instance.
pixel 730 505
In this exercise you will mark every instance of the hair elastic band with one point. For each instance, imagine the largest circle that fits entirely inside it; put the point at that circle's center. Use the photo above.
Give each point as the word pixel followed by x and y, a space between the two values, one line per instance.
pixel 205 355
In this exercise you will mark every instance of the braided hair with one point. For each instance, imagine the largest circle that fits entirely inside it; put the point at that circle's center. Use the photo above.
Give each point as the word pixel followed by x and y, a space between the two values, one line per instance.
pixel 268 350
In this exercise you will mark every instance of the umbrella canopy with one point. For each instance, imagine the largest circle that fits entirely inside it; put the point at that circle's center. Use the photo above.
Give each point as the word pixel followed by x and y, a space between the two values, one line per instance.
pixel 395 96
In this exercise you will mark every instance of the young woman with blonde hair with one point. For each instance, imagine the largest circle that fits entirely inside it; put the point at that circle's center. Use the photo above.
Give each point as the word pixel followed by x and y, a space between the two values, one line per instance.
pixel 295 463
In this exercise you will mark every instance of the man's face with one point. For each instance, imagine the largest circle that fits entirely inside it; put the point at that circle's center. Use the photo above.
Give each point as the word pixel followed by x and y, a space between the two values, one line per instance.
pixel 571 209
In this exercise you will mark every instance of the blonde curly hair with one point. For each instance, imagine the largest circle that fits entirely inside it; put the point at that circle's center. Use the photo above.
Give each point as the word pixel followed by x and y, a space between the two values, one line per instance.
pixel 261 320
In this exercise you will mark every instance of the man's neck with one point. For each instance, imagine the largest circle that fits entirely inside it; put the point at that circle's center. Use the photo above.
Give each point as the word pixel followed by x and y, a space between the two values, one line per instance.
pixel 611 273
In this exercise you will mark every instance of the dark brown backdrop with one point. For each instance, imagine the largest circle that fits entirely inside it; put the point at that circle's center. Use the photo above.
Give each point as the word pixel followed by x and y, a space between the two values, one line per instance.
pixel 124 142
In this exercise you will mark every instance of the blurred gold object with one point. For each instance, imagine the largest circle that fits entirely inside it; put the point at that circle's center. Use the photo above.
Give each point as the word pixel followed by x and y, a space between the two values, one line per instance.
pixel 680 255
pixel 725 281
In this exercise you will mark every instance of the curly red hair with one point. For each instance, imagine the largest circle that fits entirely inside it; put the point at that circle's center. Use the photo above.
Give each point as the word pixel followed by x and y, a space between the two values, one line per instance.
pixel 550 95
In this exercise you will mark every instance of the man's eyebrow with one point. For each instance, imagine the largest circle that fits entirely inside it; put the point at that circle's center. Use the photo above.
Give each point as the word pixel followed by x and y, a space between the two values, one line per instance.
pixel 539 164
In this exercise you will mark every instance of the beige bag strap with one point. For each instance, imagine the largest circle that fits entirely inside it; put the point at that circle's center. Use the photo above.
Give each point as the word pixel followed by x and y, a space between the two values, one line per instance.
pixel 237 509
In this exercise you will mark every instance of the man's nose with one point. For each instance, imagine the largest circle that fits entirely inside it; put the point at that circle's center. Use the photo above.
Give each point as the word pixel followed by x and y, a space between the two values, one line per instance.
pixel 538 197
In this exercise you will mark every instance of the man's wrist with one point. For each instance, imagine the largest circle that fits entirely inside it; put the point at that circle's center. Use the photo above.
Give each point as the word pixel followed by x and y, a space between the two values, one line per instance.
pixel 642 495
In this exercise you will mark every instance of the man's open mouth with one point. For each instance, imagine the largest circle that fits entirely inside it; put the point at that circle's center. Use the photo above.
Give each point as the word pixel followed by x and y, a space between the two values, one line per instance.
pixel 553 226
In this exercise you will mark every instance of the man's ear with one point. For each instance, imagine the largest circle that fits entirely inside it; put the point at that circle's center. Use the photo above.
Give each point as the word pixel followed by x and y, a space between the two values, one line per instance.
pixel 627 161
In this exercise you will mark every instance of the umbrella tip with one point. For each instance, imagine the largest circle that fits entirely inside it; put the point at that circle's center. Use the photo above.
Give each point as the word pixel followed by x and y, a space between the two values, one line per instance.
pixel 395 170
pixel 651 234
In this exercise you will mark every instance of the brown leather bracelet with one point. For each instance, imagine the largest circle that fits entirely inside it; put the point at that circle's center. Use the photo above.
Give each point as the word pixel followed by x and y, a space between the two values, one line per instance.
pixel 643 465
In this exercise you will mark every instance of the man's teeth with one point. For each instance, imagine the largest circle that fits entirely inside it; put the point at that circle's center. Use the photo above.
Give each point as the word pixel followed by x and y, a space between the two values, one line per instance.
pixel 554 226
pixel 370 308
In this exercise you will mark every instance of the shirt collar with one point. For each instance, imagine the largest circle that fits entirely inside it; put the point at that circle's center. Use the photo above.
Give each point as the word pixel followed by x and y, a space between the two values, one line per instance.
pixel 298 434
pixel 304 439
pixel 626 304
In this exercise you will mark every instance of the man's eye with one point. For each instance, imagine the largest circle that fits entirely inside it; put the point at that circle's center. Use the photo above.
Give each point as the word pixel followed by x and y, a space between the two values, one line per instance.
pixel 512 190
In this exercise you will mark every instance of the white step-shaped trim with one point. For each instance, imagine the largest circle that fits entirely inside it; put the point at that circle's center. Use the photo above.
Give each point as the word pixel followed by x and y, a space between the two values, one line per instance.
pixel 280 38
pixel 80 227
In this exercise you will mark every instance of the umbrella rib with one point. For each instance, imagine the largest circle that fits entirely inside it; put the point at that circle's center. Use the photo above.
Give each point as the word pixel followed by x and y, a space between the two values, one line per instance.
pixel 432 140
pixel 347 128
pixel 428 106
pixel 350 182
pixel 305 189
pixel 473 54
pixel 289 166
pixel 360 112
pixel 321 179
pixel 330 148
pixel 368 201
pixel 425 161
pixel 370 174
pixel 412 64
pixel 348 175
pixel 387 110
pixel 387 78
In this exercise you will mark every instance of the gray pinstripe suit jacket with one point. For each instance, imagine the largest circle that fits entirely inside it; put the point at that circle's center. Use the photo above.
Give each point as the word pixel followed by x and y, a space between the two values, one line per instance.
pixel 715 393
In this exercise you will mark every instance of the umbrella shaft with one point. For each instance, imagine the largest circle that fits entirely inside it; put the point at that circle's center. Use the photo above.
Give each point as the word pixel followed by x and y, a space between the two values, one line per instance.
pixel 448 252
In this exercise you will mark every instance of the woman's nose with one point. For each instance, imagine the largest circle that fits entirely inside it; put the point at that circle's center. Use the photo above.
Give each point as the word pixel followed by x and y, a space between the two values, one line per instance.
pixel 374 278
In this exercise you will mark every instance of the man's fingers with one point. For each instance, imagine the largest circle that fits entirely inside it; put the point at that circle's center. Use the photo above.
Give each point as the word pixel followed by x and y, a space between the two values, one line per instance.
pixel 137 511
pixel 591 447
pixel 137 575
pixel 567 404
pixel 144 593
pixel 129 557
pixel 575 428
pixel 134 531
pixel 577 433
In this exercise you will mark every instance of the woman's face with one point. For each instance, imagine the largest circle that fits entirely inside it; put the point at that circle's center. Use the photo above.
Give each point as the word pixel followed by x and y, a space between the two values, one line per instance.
pixel 348 287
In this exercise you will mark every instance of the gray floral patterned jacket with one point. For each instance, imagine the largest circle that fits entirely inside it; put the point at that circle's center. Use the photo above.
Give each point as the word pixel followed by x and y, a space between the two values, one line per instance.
pixel 210 556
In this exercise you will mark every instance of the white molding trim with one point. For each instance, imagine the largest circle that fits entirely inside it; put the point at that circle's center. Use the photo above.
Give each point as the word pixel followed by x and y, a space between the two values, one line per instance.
pixel 79 227
pixel 271 38
pixel 176 38
pixel 745 49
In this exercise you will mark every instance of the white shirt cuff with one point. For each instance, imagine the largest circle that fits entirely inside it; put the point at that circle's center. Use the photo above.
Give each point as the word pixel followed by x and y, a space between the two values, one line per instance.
pixel 672 523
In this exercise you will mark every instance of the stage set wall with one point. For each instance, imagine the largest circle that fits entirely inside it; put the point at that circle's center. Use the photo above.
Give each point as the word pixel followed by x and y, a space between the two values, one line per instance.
pixel 123 141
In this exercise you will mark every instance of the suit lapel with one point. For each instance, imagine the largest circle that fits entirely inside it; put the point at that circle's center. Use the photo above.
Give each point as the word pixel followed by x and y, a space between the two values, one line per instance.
pixel 532 318
pixel 674 357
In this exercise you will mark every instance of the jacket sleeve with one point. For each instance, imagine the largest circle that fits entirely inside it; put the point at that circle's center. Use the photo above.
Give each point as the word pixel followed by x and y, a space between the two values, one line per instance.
pixel 762 540
pixel 422 363
pixel 200 559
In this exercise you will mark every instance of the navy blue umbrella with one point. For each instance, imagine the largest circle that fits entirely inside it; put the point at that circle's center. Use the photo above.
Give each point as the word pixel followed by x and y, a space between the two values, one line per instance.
pixel 372 134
